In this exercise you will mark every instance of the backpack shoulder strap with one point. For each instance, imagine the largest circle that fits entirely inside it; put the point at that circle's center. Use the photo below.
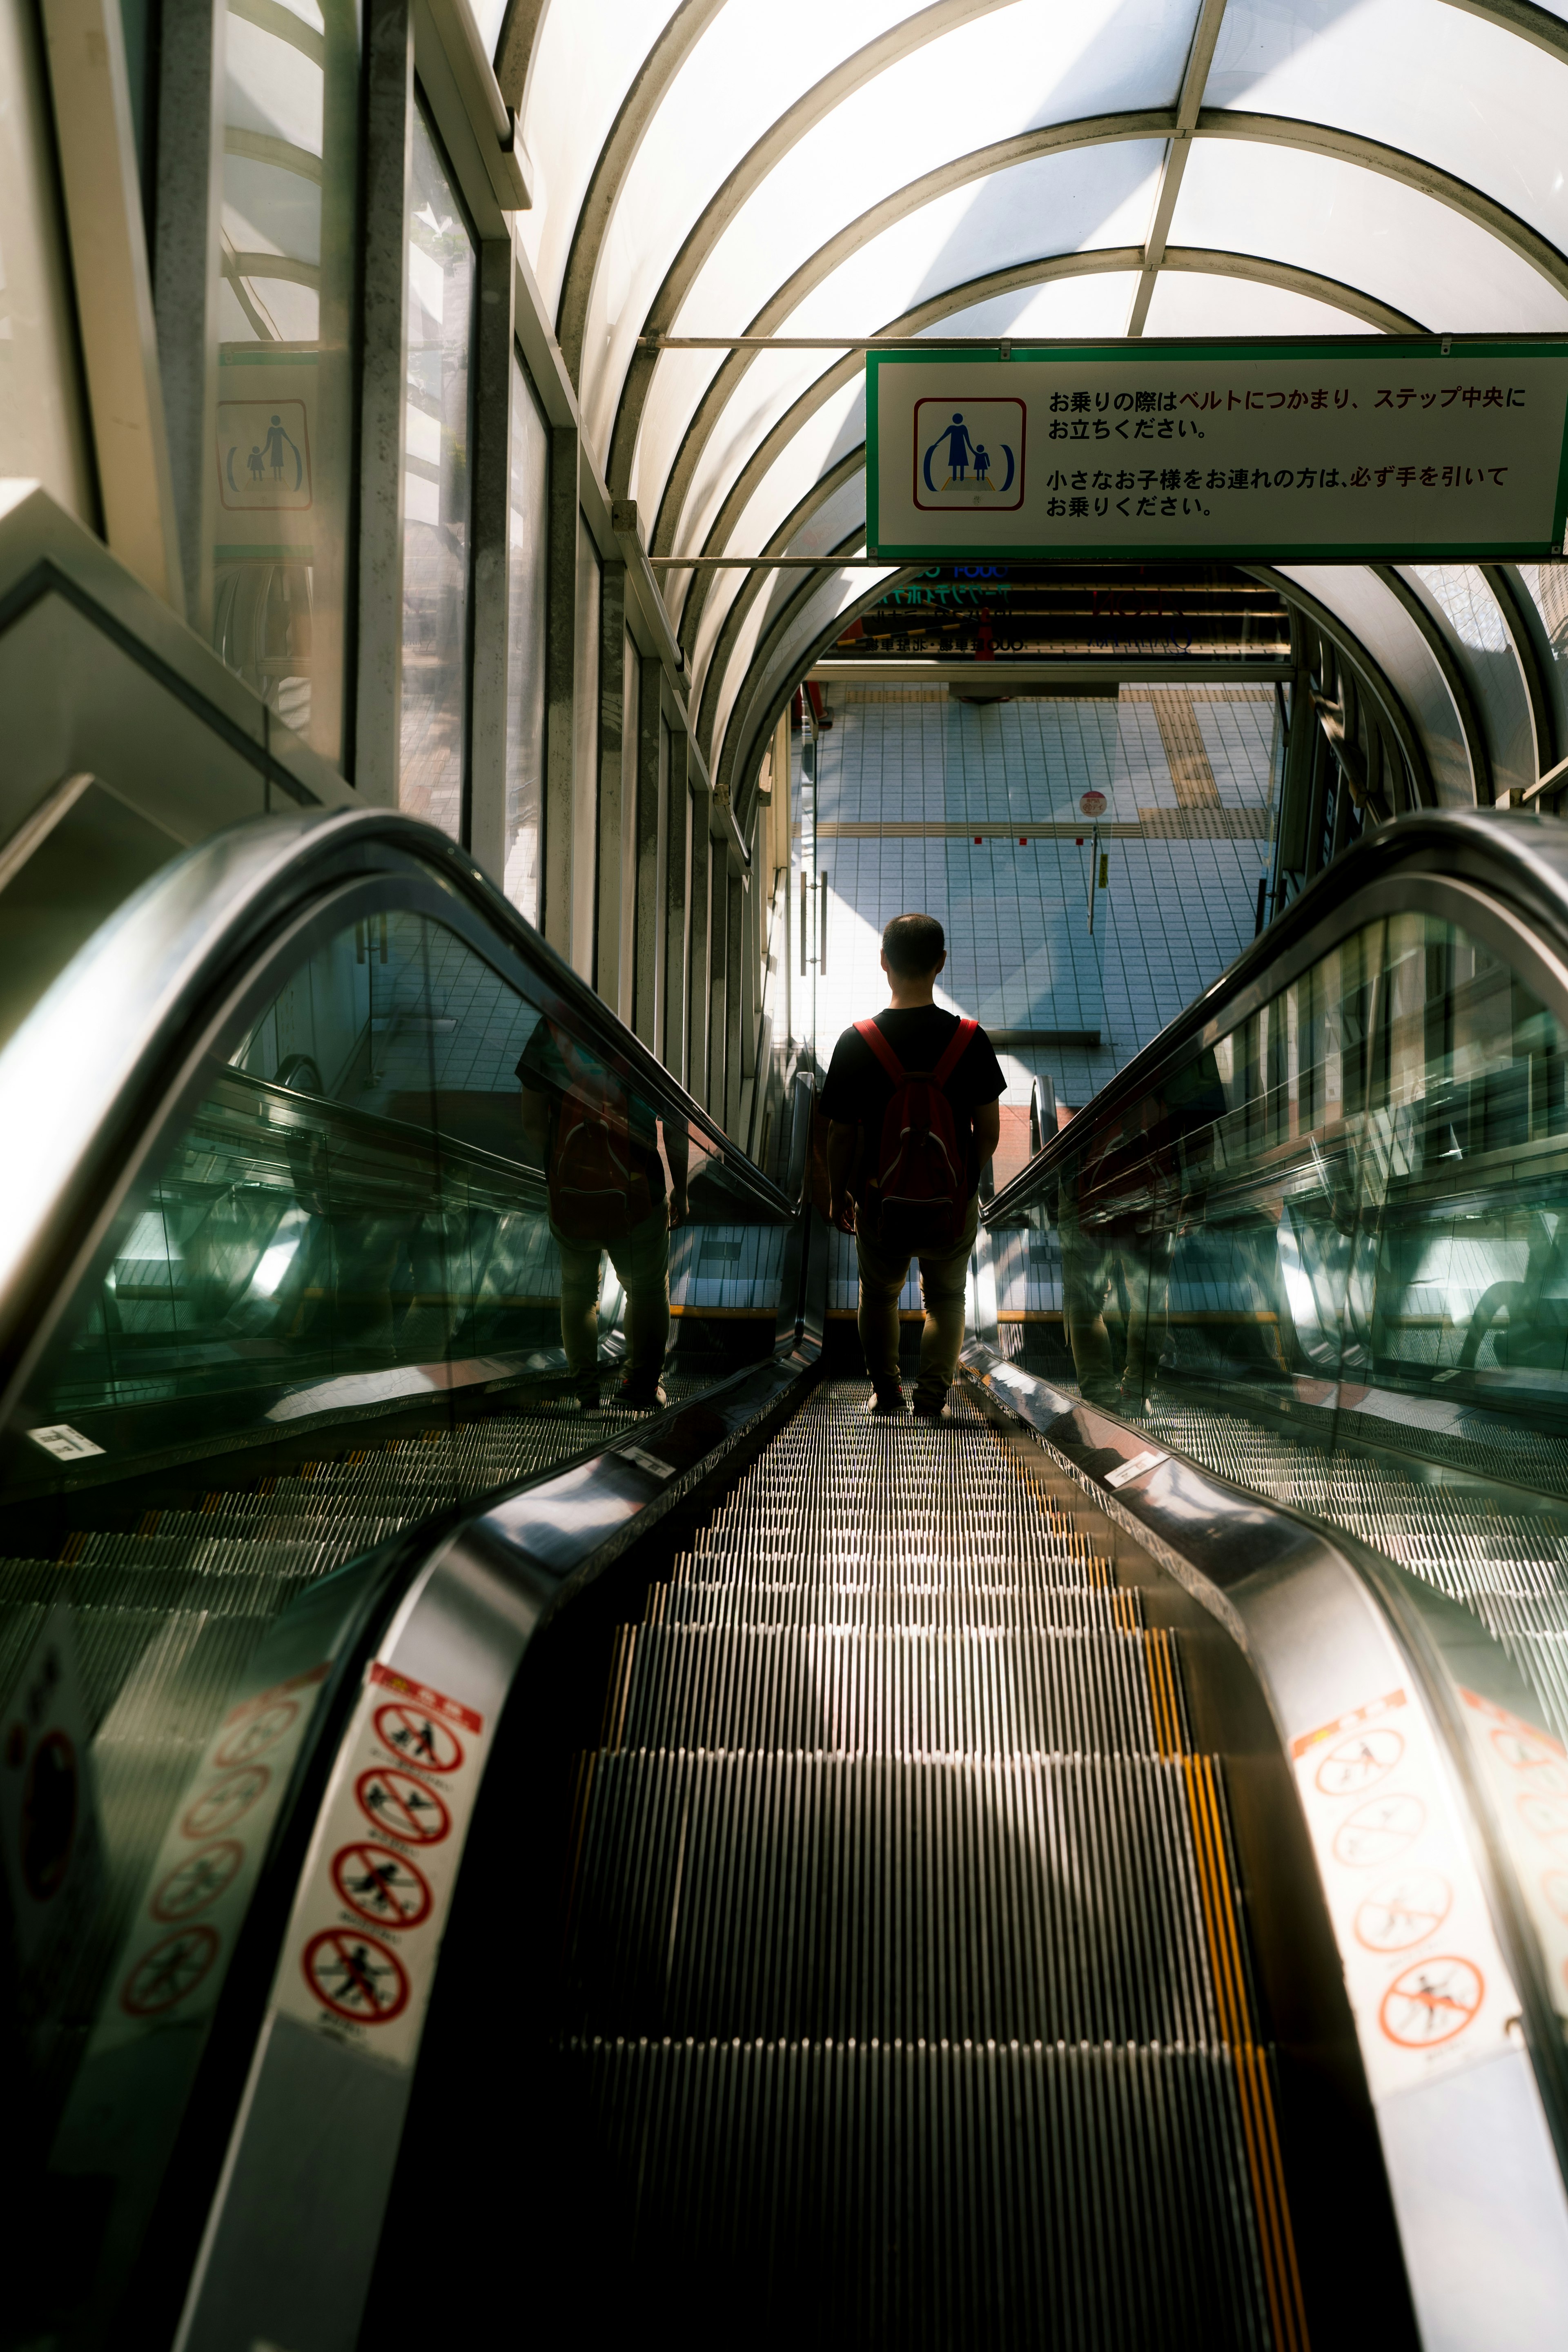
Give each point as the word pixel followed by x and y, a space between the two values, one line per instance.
pixel 957 1046
pixel 882 1050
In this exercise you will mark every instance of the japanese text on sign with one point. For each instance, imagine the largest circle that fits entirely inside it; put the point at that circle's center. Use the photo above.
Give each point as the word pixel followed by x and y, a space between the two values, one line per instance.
pixel 1331 449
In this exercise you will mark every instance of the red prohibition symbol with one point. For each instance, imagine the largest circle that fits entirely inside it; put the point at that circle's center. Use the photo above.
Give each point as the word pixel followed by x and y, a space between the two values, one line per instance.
pixel 172 1968
pixel 422 1738
pixel 379 1885
pixel 1360 1762
pixel 355 1977
pixel 401 1805
pixel 256 1736
pixel 1403 1910
pixel 1431 2002
pixel 191 1884
pixel 1380 1831
pixel 219 1807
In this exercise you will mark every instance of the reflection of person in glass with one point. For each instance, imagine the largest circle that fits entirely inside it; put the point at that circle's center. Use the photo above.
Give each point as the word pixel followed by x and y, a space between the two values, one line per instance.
pixel 599 1146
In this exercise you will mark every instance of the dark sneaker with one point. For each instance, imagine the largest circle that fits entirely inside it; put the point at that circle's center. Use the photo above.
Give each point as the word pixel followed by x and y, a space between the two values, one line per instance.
pixel 889 1404
pixel 641 1396
pixel 584 1392
pixel 931 1407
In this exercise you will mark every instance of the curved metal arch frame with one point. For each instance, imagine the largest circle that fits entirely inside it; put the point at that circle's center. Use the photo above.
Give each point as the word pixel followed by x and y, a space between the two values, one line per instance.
pixel 1189 259
pixel 821 493
pixel 1400 724
pixel 1390 162
pixel 812 107
pixel 1506 585
pixel 772 644
pixel 1454 679
pixel 1519 17
pixel 650 86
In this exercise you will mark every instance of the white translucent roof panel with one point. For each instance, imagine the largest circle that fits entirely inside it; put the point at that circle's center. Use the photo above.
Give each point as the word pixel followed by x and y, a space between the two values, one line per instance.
pixel 1412 74
pixel 489 16
pixel 1188 303
pixel 1372 613
pixel 1054 205
pixel 589 51
pixel 822 611
pixel 716 109
pixel 1472 624
pixel 1351 224
pixel 990 78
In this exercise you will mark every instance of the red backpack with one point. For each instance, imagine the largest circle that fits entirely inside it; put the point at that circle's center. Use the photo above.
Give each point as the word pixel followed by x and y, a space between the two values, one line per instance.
pixel 598 1189
pixel 919 1196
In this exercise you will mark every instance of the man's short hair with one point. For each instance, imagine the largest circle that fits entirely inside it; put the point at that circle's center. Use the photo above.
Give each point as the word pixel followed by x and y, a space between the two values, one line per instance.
pixel 913 945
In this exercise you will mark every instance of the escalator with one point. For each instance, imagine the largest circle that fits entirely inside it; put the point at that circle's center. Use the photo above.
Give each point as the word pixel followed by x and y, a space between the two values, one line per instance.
pixel 481 1855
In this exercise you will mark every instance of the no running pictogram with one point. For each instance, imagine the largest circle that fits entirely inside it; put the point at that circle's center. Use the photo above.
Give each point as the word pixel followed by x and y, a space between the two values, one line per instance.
pixel 401 1805
pixel 1380 1831
pixel 379 1885
pixel 219 1807
pixel 1360 1762
pixel 199 1880
pixel 1403 1910
pixel 1431 2002
pixel 355 1977
pixel 171 1969
pixel 422 1738
pixel 259 1732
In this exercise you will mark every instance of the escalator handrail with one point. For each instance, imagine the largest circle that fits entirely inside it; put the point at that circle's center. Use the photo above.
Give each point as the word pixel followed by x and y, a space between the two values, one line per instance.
pixel 92 1065
pixel 1515 856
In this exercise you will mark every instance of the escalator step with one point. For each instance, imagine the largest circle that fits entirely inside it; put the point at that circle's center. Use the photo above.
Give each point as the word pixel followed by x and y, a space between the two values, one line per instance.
pixel 972 1691
pixel 1051 1898
pixel 957 2196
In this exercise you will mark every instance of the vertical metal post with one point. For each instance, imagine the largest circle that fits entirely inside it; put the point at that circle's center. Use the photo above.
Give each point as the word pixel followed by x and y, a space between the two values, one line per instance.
pixel 186 215
pixel 1093 876
pixel 699 948
pixel 677 872
pixel 645 880
pixel 822 928
pixel 383 395
pixel 618 681
pixel 491 525
pixel 804 922
pixel 560 688
pixel 734 1004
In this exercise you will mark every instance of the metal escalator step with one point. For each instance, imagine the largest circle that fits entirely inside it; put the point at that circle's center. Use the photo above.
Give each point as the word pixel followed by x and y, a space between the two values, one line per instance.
pixel 789 1895
pixel 908 1692
pixel 924 2197
pixel 687 1601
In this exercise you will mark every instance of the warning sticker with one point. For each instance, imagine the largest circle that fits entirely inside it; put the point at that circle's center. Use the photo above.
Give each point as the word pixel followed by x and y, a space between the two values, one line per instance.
pixel 355 1977
pixel 51 1863
pixel 1526 1770
pixel 182 1934
pixel 382 1886
pixel 1423 1971
pixel 385 1859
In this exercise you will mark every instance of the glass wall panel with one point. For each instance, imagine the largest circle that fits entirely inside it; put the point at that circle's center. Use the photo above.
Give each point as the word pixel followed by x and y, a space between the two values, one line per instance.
pixel 1328 1256
pixel 421 1237
pixel 528 537
pixel 1470 616
pixel 436 488
pixel 283 438
pixel 42 436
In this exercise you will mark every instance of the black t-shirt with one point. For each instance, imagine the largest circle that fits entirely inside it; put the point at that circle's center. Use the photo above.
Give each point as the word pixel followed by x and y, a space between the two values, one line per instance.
pixel 859 1088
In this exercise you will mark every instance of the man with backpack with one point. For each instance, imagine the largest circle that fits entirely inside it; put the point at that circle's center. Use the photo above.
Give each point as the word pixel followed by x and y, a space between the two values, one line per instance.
pixel 598 1143
pixel 911 1103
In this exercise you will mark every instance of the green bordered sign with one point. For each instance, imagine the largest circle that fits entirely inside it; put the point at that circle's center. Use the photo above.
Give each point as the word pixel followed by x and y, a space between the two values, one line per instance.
pixel 1361 450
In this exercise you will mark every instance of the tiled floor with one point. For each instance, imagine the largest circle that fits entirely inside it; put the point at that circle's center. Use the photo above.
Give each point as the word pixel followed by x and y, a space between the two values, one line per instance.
pixel 1021 956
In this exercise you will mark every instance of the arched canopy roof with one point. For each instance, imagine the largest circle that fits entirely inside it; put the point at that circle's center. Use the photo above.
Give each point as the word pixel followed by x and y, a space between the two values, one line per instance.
pixel 988 167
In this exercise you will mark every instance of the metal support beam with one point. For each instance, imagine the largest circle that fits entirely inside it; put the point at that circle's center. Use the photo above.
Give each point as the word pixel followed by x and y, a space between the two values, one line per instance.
pixel 734 1007
pixel 1194 80
pixel 700 944
pixel 644 880
pixel 187 210
pixel 492 559
pixel 90 86
pixel 560 689
pixel 375 753
pixel 618 703
pixel 678 882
